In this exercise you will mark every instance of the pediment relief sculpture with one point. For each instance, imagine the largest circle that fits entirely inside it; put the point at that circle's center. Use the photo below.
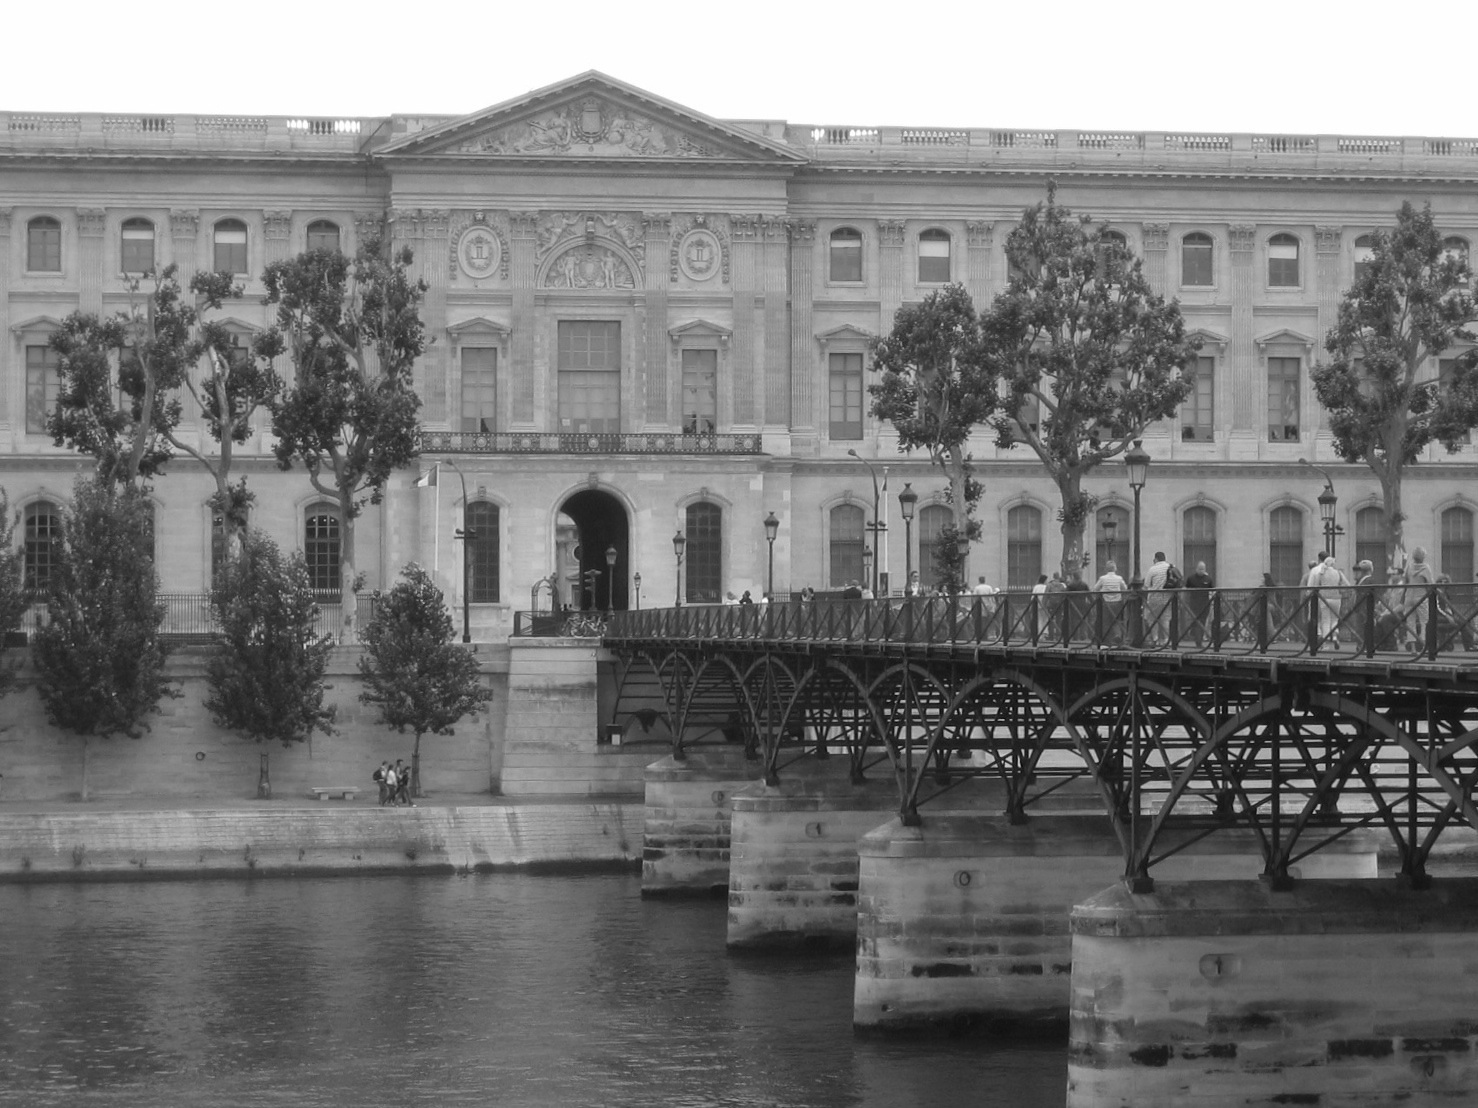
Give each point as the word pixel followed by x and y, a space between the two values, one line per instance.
pixel 592 126
pixel 559 228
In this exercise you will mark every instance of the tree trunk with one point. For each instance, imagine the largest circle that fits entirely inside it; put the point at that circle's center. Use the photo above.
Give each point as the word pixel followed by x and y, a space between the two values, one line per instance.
pixel 1070 489
pixel 85 749
pixel 348 600
pixel 416 767
pixel 961 508
pixel 1390 482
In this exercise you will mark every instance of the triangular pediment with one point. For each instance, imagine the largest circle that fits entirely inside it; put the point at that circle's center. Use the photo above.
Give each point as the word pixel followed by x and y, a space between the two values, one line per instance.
pixel 592 117
pixel 1284 335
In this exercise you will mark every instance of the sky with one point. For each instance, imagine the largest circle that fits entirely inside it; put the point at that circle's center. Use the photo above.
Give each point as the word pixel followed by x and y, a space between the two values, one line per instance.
pixel 1294 67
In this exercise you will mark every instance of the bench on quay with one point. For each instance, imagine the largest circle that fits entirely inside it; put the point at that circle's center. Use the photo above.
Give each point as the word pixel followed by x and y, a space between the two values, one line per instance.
pixel 324 792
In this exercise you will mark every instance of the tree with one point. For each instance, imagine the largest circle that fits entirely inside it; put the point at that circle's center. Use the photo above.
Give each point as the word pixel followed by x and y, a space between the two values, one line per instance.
pixel 1408 306
pixel 1088 354
pixel 354 331
pixel 936 388
pixel 422 681
pixel 13 598
pixel 267 679
pixel 99 657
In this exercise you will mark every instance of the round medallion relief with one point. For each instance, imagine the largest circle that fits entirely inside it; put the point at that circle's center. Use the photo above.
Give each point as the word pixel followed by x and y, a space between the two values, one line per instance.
pixel 478 251
pixel 699 254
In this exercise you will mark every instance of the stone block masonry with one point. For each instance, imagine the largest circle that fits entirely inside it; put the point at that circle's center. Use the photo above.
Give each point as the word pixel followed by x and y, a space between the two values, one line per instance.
pixel 689 808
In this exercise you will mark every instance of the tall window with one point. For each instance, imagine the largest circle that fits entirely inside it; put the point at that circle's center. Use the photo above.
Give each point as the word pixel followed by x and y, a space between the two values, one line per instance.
pixel 1283 399
pixel 1446 372
pixel 1198 413
pixel 1195 259
pixel 1199 528
pixel 1112 245
pixel 1283 261
pixel 844 385
pixel 230 246
pixel 846 255
pixel 933 257
pixel 1457 545
pixel 321 550
pixel 700 392
pixel 705 552
pixel 42 530
pixel 1364 254
pixel 43 384
pixel 1456 249
pixel 137 247
pixel 323 234
pixel 589 376
pixel 1023 546
pixel 846 545
pixel 1105 552
pixel 44 245
pixel 482 552
pixel 1286 545
pixel 479 388
pixel 934 520
pixel 1370 539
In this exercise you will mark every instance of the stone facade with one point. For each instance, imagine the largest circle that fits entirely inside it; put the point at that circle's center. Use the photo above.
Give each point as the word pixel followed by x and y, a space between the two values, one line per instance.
pixel 654 321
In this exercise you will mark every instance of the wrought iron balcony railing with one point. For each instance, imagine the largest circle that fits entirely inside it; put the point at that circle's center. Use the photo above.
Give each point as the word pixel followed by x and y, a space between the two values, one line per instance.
pixel 556 442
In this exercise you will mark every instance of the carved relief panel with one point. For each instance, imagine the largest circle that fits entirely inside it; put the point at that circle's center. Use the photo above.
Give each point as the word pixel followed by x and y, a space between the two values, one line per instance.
pixel 592 126
pixel 478 246
pixel 700 249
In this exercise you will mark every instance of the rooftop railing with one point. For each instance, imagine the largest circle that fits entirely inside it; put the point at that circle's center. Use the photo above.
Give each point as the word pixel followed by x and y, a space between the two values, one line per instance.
pixel 541 442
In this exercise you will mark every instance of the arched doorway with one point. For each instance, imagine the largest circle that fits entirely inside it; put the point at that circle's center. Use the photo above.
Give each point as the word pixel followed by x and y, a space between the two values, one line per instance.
pixel 590 523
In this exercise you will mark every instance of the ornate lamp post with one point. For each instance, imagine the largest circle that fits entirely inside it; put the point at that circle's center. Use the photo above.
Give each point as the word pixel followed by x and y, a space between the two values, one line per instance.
pixel 908 500
pixel 1137 462
pixel 611 556
pixel 1110 533
pixel 679 544
pixel 877 526
pixel 772 528
pixel 962 548
pixel 467 535
pixel 636 580
pixel 1328 502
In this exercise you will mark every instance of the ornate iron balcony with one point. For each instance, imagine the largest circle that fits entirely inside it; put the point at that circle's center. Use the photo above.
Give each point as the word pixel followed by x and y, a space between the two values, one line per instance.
pixel 542 442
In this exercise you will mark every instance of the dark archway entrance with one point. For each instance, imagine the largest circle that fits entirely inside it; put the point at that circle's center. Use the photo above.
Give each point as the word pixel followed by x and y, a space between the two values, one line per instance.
pixel 590 523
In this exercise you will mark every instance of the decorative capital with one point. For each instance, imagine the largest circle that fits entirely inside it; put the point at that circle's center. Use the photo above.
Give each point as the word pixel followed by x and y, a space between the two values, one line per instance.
pixel 1157 236
pixel 184 223
pixel 436 222
pixel 277 224
pixel 91 222
pixel 4 221
pixel 890 232
pixel 802 230
pixel 776 230
pixel 523 225
pixel 978 234
pixel 745 228
pixel 1327 239
pixel 1241 236
pixel 656 225
pixel 368 225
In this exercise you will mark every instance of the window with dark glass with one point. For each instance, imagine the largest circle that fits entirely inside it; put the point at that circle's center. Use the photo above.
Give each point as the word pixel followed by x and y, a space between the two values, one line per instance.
pixel 844 390
pixel 230 246
pixel 482 552
pixel 934 257
pixel 44 245
pixel 704 557
pixel 1023 546
pixel 1197 414
pixel 1286 545
pixel 1364 254
pixel 1283 399
pixel 321 551
pixel 589 376
pixel 323 234
pixel 137 246
pixel 43 384
pixel 1199 526
pixel 934 521
pixel 1195 259
pixel 1106 551
pixel 700 392
pixel 1457 546
pixel 42 530
pixel 479 388
pixel 1283 261
pixel 1456 249
pixel 846 255
pixel 1370 539
pixel 846 545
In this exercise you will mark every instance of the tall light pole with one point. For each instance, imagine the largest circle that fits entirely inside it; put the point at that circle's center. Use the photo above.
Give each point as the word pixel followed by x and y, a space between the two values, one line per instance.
pixel 1328 502
pixel 878 528
pixel 1110 533
pixel 679 544
pixel 467 535
pixel 611 556
pixel 636 580
pixel 772 528
pixel 867 566
pixel 1137 462
pixel 907 501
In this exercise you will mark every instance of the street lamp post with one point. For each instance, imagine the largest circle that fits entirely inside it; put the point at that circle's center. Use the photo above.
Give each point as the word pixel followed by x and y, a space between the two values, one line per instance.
pixel 1328 502
pixel 962 549
pixel 878 528
pixel 467 535
pixel 772 528
pixel 867 564
pixel 679 544
pixel 636 580
pixel 611 556
pixel 907 501
pixel 1137 461
pixel 1110 533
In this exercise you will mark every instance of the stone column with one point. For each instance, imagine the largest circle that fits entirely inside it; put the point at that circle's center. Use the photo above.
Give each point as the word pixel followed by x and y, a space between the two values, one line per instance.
pixel 803 362
pixel 663 396
pixel 1156 243
pixel 1243 388
pixel 890 271
pixel 746 371
pixel 1327 243
pixel 776 360
pixel 435 362
pixel 92 223
pixel 523 228
pixel 277 228
pixel 979 236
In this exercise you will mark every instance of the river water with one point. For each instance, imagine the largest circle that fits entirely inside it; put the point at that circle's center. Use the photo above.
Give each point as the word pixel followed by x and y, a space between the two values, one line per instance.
pixel 486 990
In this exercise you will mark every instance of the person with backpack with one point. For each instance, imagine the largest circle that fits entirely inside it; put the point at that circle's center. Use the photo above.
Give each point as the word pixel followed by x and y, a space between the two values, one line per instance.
pixel 1162 577
pixel 378 777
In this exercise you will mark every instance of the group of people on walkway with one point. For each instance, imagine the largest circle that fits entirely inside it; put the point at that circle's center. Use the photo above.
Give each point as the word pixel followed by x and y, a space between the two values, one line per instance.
pixel 394 782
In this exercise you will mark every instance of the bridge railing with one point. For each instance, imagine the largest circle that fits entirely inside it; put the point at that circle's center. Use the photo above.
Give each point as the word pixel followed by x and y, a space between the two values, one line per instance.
pixel 1412 620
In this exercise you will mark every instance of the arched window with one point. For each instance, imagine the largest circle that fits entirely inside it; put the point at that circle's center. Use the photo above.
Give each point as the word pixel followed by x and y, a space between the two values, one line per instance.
pixel 705 552
pixel 44 245
pixel 42 531
pixel 934 521
pixel 1023 546
pixel 482 552
pixel 846 545
pixel 1370 539
pixel 1199 528
pixel 1115 550
pixel 1457 545
pixel 136 250
pixel 1286 545
pixel 323 234
pixel 934 257
pixel 321 550
pixel 846 254
pixel 1283 261
pixel 230 246
pixel 1364 254
pixel 1456 249
pixel 1196 259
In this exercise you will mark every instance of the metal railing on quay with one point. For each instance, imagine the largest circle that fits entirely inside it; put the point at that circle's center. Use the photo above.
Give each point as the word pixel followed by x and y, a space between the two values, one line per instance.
pixel 1414 621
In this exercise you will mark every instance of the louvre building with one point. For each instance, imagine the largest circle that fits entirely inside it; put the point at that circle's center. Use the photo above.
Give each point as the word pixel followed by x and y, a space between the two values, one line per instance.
pixel 647 323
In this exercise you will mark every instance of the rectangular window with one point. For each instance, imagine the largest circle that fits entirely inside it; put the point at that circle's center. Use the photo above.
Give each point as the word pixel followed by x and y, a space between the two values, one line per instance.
pixel 700 392
pixel 1283 399
pixel 1457 546
pixel 845 396
pixel 1195 260
pixel 479 388
pixel 43 383
pixel 589 377
pixel 1197 423
pixel 933 258
pixel 44 246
